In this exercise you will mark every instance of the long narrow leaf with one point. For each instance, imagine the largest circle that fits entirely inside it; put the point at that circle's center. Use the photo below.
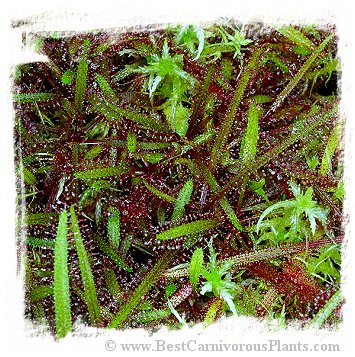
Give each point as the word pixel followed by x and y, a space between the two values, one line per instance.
pixel 145 317
pixel 330 148
pixel 227 123
pixel 309 125
pixel 61 291
pixel 326 311
pixel 105 87
pixel 41 218
pixel 160 194
pixel 188 229
pixel 153 275
pixel 256 255
pixel 251 135
pixel 225 205
pixel 229 211
pixel 111 253
pixel 101 172
pixel 112 283
pixel 201 99
pixel 80 85
pixel 213 311
pixel 114 227
pixel 39 242
pixel 196 267
pixel 32 97
pixel 86 273
pixel 40 292
pixel 297 37
pixel 182 200
pixel 303 70
pixel 113 111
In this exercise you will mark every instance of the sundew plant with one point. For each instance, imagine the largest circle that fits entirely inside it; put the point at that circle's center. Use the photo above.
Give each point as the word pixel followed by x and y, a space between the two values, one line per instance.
pixel 180 175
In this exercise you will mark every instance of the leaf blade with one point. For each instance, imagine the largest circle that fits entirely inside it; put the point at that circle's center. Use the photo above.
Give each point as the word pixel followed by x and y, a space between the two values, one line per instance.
pixel 249 144
pixel 323 314
pixel 86 272
pixel 196 267
pixel 227 123
pixel 32 97
pixel 61 290
pixel 182 200
pixel 80 85
pixel 114 227
pixel 188 229
pixel 153 275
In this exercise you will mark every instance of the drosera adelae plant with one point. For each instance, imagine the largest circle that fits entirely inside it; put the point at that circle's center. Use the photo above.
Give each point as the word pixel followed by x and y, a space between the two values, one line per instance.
pixel 176 176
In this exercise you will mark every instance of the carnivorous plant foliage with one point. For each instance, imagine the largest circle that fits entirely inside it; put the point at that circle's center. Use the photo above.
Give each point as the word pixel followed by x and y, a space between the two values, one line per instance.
pixel 180 175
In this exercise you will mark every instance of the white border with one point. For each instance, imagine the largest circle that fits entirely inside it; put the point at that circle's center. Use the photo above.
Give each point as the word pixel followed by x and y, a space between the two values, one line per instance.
pixel 81 15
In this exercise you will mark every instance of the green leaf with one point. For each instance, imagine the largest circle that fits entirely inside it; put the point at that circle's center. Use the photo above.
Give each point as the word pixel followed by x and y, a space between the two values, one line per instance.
pixel 182 200
pixel 100 106
pixel 300 74
pixel 257 186
pixel 114 227
pixel 294 212
pixel 332 144
pixel 68 77
pixel 177 116
pixel 93 152
pixel 153 158
pixel 176 314
pixel 225 205
pixel 153 315
pixel 278 62
pixel 40 292
pixel 27 175
pixel 80 85
pixel 196 267
pixel 131 142
pixel 37 44
pixel 61 290
pixel 101 172
pixel 41 218
pixel 113 111
pixel 105 87
pixel 340 191
pixel 213 311
pixel 323 314
pixel 111 253
pixel 192 37
pixel 136 297
pixel 229 211
pixel 112 283
pixel 164 196
pixel 145 121
pixel 311 123
pixel 32 97
pixel 324 263
pixel 226 126
pixel 86 273
pixel 297 37
pixel 218 280
pixel 229 43
pixel 188 229
pixel 40 242
pixel 251 135
pixel 170 289
pixel 331 65
pixel 283 204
